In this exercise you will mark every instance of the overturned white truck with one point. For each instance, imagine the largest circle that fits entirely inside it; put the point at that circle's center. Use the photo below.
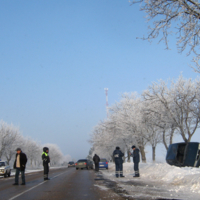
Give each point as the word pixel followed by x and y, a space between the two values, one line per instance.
pixel 184 154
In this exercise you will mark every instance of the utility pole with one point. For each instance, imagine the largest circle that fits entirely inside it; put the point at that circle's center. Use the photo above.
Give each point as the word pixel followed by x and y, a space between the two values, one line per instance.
pixel 106 91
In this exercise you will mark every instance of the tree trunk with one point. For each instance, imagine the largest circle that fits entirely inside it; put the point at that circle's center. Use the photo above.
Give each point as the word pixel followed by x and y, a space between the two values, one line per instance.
pixel 143 154
pixel 8 160
pixel 9 157
pixel 164 141
pixel 128 156
pixel 172 135
pixel 153 153
pixel 189 138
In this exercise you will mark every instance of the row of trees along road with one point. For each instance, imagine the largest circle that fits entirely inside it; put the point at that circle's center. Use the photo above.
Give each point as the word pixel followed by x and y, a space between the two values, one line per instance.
pixel 162 111
pixel 11 138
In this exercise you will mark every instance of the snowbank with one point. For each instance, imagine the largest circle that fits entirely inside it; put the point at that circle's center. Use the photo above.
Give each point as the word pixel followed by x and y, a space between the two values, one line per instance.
pixel 175 179
pixel 184 177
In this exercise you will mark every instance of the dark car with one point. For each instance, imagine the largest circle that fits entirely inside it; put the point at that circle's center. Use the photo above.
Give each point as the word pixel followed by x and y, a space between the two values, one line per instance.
pixel 103 163
pixel 71 164
pixel 184 154
pixel 84 163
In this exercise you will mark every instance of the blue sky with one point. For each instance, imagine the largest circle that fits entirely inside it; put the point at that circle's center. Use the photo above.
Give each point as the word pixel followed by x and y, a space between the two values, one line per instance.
pixel 56 58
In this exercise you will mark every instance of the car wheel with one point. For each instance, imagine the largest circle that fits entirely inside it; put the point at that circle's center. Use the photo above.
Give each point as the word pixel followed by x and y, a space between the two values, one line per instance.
pixel 82 168
pixel 76 168
pixel 9 173
pixel 107 168
pixel 5 175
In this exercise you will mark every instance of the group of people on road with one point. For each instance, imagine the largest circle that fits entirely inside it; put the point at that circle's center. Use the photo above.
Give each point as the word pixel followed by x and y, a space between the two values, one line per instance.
pixel 21 160
pixel 118 158
pixel 20 165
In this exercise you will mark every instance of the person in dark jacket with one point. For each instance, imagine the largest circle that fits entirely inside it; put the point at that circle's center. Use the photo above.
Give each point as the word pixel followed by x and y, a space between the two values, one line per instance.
pixel 117 155
pixel 20 165
pixel 46 162
pixel 136 160
pixel 96 160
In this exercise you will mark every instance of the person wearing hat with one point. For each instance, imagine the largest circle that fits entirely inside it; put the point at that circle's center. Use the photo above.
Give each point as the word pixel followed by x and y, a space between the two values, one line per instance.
pixel 136 160
pixel 20 165
pixel 117 155
pixel 46 161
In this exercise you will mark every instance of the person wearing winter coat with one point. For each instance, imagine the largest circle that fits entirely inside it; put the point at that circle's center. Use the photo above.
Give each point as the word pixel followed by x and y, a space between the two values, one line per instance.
pixel 136 160
pixel 20 165
pixel 46 162
pixel 117 155
pixel 96 160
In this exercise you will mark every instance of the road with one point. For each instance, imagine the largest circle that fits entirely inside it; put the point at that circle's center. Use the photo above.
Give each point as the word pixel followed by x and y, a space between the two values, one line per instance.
pixel 65 184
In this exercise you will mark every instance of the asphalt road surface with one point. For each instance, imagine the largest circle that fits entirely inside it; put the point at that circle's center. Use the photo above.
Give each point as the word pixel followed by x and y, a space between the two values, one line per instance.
pixel 65 184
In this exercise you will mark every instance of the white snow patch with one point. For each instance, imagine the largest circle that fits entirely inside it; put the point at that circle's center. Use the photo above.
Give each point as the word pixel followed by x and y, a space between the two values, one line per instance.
pixel 101 187
pixel 159 176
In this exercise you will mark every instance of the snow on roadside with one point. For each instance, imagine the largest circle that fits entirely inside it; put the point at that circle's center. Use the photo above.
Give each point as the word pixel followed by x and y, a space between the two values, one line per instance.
pixel 27 171
pixel 160 174
pixel 183 177
pixel 101 187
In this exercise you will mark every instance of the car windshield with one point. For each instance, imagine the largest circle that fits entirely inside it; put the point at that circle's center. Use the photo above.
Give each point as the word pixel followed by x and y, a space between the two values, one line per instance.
pixel 71 162
pixel 2 164
pixel 103 160
pixel 82 160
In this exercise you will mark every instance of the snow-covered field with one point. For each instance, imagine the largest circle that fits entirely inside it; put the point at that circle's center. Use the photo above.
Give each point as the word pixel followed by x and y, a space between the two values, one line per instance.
pixel 158 180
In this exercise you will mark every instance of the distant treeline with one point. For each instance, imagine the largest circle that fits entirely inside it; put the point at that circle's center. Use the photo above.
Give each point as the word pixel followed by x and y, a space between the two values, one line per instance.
pixel 11 138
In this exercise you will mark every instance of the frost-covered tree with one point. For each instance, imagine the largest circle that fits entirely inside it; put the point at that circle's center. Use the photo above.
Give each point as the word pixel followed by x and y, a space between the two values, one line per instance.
pixel 162 111
pixel 130 119
pixel 122 128
pixel 33 151
pixel 9 139
pixel 152 133
pixel 181 16
pixel 103 140
pixel 155 115
pixel 90 154
pixel 180 103
pixel 55 154
pixel 10 152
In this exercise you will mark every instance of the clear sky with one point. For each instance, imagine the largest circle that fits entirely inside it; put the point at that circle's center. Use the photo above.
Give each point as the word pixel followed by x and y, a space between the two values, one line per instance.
pixel 56 58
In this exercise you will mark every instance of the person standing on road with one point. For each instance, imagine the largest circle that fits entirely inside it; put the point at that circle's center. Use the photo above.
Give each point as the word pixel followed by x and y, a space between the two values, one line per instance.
pixel 20 165
pixel 117 155
pixel 96 160
pixel 46 162
pixel 136 160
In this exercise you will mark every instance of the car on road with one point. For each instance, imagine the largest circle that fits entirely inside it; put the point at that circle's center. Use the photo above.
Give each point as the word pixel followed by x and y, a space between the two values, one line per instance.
pixel 71 164
pixel 5 169
pixel 84 163
pixel 103 163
